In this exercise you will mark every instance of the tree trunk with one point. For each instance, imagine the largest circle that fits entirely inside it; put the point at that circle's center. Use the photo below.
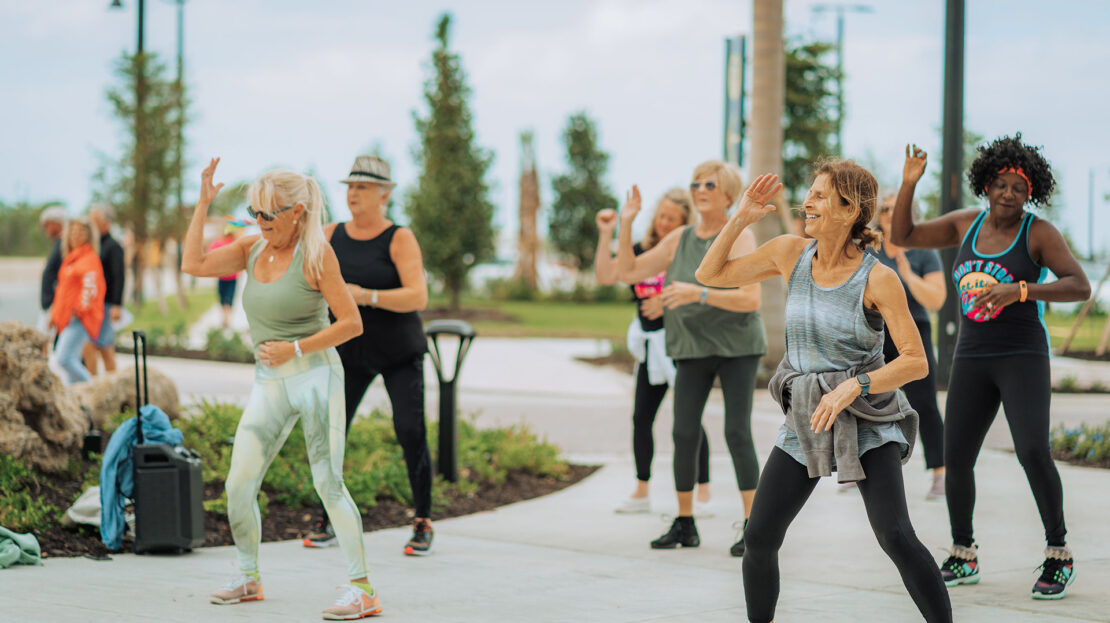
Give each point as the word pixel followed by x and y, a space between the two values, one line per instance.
pixel 528 242
pixel 768 104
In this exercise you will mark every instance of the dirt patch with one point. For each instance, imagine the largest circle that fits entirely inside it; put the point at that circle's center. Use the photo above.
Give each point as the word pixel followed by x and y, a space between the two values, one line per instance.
pixel 283 523
pixel 482 314
pixel 1089 355
pixel 621 360
pixel 1071 460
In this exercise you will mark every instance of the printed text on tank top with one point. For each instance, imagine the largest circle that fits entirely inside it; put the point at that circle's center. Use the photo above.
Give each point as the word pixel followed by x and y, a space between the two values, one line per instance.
pixel 986 266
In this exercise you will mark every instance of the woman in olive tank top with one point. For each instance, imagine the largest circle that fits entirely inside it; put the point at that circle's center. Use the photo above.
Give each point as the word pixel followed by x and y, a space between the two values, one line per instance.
pixel 710 333
pixel 1001 354
pixel 842 403
pixel 292 278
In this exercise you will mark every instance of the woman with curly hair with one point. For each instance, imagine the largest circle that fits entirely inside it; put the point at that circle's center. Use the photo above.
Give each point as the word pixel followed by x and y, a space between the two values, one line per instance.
pixel 1001 355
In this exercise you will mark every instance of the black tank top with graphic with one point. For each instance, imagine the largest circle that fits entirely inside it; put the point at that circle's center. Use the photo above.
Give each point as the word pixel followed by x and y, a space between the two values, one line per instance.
pixel 388 338
pixel 1015 329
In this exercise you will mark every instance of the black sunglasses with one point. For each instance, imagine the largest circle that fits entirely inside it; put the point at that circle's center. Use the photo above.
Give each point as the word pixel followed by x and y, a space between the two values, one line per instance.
pixel 708 186
pixel 266 216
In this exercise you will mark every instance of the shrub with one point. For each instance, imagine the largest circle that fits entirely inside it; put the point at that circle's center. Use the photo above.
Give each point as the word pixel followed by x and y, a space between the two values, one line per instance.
pixel 21 509
pixel 1083 443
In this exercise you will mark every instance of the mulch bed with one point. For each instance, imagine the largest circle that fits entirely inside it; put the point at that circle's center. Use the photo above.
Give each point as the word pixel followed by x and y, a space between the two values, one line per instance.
pixel 1071 460
pixel 621 360
pixel 468 314
pixel 1089 355
pixel 282 523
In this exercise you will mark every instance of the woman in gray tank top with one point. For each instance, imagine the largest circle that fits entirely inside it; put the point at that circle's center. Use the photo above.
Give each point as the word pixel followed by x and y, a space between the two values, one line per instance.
pixel 711 333
pixel 292 278
pixel 841 400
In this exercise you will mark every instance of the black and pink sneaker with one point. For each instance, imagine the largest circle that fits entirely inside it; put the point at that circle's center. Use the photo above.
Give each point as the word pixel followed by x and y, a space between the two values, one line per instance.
pixel 1057 572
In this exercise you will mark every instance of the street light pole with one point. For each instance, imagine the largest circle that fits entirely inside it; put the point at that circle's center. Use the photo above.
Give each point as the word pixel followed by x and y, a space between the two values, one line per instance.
pixel 952 158
pixel 840 10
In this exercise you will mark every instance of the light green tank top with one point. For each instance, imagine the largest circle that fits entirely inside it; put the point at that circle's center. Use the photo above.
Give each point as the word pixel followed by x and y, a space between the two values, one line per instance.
pixel 698 330
pixel 286 309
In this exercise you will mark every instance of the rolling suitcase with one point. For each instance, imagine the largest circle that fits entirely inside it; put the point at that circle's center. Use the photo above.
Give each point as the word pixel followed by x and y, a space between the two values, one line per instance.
pixel 169 489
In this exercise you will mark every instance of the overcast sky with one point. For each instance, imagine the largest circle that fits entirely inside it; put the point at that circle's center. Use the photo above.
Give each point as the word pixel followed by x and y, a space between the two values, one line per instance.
pixel 300 84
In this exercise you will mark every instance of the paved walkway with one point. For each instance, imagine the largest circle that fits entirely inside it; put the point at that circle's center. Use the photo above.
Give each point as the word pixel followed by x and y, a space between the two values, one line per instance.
pixel 567 557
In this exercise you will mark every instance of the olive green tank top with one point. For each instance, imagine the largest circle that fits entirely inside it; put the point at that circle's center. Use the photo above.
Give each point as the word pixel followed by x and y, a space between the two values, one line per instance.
pixel 286 309
pixel 699 330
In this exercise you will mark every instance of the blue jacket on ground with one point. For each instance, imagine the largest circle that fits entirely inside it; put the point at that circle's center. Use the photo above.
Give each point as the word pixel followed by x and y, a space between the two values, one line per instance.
pixel 117 484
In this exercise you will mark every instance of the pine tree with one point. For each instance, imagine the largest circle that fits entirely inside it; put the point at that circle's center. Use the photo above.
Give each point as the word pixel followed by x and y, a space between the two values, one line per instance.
pixel 141 182
pixel 580 194
pixel 449 209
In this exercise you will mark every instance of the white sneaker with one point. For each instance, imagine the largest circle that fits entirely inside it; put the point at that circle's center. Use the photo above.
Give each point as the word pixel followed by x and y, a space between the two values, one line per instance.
pixel 701 509
pixel 634 506
pixel 847 487
pixel 353 603
pixel 238 589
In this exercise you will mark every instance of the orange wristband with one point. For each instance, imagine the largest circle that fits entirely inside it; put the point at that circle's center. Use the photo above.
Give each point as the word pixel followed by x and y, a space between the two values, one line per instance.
pixel 1024 287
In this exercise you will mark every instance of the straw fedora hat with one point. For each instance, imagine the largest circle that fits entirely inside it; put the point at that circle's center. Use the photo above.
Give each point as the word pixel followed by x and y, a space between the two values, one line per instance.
pixel 370 169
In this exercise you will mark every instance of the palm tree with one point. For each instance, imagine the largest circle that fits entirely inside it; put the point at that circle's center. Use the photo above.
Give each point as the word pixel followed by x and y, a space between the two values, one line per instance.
pixel 768 103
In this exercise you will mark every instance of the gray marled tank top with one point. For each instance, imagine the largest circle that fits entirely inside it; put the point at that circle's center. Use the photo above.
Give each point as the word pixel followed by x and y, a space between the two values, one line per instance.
pixel 830 328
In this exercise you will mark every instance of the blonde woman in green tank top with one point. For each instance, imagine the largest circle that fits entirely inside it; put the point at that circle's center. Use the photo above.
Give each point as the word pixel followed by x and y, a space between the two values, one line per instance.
pixel 292 278
pixel 711 333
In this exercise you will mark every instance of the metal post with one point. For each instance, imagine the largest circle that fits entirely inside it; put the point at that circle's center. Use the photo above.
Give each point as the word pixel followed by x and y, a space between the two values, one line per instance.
pixel 728 100
pixel 740 106
pixel 951 193
pixel 1091 216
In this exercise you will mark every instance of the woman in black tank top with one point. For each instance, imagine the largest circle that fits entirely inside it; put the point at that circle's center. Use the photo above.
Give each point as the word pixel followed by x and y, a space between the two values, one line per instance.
pixel 1002 352
pixel 382 266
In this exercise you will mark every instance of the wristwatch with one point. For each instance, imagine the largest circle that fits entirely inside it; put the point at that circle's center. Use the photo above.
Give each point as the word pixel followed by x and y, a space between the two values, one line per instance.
pixel 704 295
pixel 864 384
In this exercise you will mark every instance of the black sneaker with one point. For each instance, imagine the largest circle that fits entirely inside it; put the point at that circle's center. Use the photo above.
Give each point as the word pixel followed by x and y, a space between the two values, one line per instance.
pixel 682 532
pixel 961 567
pixel 738 548
pixel 324 536
pixel 421 542
pixel 1056 574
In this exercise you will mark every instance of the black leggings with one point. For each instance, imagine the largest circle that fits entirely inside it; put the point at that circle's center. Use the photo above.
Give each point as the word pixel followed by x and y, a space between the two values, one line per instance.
pixel 691 389
pixel 1023 385
pixel 922 395
pixel 783 490
pixel 648 399
pixel 405 385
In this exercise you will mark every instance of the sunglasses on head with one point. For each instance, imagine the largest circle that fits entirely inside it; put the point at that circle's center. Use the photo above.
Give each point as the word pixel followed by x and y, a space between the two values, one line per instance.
pixel 266 216
pixel 708 185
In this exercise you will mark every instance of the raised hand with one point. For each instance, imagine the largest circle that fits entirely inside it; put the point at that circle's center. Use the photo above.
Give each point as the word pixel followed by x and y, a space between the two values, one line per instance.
pixel 915 164
pixel 632 204
pixel 606 221
pixel 754 204
pixel 208 192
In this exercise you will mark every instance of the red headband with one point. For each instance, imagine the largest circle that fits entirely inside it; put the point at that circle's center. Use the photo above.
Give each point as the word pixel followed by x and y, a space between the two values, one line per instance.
pixel 1019 171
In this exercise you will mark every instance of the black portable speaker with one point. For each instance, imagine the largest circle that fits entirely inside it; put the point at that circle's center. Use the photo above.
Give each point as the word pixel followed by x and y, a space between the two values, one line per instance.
pixel 169 489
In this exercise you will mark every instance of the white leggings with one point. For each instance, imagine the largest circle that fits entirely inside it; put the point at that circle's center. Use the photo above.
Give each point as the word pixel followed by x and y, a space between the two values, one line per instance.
pixel 311 388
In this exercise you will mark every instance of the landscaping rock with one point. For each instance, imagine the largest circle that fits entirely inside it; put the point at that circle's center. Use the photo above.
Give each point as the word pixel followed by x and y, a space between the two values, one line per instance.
pixel 41 421
pixel 113 392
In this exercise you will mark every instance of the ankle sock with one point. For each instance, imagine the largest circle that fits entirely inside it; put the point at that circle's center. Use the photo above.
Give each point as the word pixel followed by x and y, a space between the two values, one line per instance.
pixel 365 586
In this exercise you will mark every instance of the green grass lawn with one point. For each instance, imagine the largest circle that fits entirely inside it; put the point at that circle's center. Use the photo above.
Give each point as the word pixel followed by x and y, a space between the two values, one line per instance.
pixel 610 320
pixel 1085 340
pixel 151 319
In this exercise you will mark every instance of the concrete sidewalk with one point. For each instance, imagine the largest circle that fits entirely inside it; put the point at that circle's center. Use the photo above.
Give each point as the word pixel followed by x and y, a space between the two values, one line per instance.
pixel 568 557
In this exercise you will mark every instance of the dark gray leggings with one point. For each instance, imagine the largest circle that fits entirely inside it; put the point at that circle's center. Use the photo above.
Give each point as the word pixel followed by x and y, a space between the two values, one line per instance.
pixel 692 385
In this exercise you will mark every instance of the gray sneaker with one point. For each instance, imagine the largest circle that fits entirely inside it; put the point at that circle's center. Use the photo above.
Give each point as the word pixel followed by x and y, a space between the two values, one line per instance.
pixel 936 492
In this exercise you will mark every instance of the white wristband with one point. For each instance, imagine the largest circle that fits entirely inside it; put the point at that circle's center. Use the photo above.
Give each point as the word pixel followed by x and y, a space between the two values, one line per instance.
pixel 374 298
pixel 297 348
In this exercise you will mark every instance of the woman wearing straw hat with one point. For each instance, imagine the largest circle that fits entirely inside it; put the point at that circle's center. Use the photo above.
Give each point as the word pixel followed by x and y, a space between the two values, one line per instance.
pixel 382 266
pixel 292 278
